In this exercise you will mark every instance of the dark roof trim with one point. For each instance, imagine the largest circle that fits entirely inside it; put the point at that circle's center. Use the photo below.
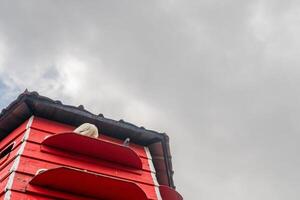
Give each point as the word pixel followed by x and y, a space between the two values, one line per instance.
pixel 31 103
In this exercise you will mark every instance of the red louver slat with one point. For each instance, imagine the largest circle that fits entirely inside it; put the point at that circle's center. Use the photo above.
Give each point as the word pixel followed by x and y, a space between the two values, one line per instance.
pixel 93 147
pixel 88 184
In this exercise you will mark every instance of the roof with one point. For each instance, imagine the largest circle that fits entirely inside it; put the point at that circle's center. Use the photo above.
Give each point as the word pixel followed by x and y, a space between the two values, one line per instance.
pixel 31 103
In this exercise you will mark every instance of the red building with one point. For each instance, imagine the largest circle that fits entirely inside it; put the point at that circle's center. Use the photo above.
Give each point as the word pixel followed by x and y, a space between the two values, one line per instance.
pixel 42 158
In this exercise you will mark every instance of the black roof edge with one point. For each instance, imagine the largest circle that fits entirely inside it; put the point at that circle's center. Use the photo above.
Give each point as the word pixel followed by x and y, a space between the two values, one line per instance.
pixel 166 149
pixel 76 111
pixel 36 103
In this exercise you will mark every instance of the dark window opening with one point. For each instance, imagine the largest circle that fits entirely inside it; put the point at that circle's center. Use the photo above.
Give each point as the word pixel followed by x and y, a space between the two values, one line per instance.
pixel 6 151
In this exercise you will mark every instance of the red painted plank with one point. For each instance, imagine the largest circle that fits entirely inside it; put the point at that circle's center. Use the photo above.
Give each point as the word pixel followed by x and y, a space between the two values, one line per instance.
pixel 168 193
pixel 47 153
pixel 52 194
pixel 50 126
pixel 30 165
pixel 53 127
pixel 13 135
pixel 4 172
pixel 22 190
pixel 5 160
pixel 21 196
pixel 2 185
pixel 6 164
pixel 86 159
pixel 93 147
pixel 89 184
pixel 38 136
pixel 21 181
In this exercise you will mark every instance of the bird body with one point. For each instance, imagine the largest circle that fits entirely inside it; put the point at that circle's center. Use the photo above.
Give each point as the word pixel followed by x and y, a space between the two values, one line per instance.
pixel 87 129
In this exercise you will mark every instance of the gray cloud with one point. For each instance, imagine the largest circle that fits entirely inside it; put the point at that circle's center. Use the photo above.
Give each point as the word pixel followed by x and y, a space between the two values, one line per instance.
pixel 220 77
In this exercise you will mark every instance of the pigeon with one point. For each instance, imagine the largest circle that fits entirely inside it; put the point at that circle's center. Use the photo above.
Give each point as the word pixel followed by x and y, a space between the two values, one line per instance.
pixel 87 129
pixel 126 142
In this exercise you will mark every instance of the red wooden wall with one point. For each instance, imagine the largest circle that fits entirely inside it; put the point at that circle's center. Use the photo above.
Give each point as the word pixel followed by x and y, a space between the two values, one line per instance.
pixel 28 156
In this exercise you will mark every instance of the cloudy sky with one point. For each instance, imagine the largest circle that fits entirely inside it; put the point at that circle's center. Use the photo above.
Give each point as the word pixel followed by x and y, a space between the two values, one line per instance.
pixel 220 77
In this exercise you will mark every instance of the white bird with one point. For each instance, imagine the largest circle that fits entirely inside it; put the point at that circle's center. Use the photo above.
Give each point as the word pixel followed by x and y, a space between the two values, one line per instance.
pixel 87 129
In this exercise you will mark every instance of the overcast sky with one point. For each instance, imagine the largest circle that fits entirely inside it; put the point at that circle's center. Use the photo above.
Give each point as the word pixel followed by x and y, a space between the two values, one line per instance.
pixel 220 77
